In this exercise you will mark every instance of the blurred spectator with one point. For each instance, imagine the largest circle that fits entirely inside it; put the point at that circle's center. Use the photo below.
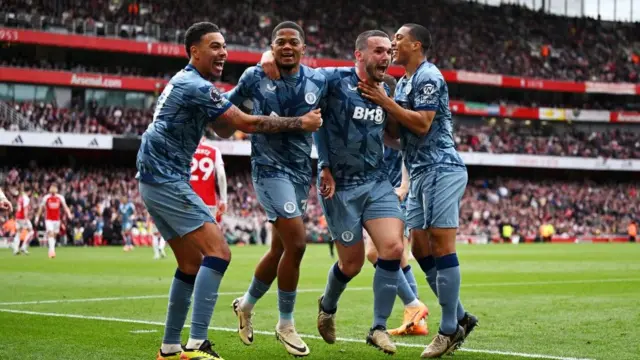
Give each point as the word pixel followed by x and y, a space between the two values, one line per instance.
pixel 516 138
pixel 571 208
pixel 506 39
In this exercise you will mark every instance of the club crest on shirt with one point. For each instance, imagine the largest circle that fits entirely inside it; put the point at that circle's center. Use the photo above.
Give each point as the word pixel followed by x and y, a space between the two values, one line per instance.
pixel 407 89
pixel 310 98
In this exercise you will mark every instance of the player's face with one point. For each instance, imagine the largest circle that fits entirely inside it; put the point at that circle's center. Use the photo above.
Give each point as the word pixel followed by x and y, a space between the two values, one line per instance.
pixel 53 189
pixel 210 53
pixel 288 48
pixel 376 57
pixel 402 46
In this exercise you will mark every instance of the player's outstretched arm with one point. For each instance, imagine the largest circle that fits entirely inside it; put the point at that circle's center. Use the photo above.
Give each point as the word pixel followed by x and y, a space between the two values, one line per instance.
pixel 311 121
pixel 5 204
pixel 327 183
pixel 418 122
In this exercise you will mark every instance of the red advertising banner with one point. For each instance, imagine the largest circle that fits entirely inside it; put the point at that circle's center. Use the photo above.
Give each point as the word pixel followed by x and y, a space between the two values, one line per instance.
pixel 67 79
pixel 251 57
pixel 519 112
pixel 625 116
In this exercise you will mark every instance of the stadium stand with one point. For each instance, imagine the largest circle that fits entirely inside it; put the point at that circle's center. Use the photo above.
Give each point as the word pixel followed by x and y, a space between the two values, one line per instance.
pixel 576 208
pixel 512 137
pixel 470 37
pixel 54 88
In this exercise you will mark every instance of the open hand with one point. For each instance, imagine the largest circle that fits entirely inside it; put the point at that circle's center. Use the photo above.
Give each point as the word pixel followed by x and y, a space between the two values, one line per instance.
pixel 373 93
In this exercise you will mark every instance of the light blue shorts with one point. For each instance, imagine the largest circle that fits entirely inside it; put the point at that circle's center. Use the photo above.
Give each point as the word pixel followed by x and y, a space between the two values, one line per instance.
pixel 281 197
pixel 349 209
pixel 175 208
pixel 126 226
pixel 434 198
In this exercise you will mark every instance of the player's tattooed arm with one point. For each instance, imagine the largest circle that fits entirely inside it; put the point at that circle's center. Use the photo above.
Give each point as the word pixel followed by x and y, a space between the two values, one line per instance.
pixel 270 124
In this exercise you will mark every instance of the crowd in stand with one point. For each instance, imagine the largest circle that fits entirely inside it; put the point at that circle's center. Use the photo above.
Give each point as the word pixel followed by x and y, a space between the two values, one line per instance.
pixel 508 39
pixel 47 64
pixel 574 208
pixel 94 195
pixel 512 138
pixel 90 119
pixel 519 139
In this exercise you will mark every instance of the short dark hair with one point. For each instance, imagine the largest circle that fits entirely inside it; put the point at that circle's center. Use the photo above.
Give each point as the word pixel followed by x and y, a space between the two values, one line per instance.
pixel 391 83
pixel 287 25
pixel 361 41
pixel 420 34
pixel 195 33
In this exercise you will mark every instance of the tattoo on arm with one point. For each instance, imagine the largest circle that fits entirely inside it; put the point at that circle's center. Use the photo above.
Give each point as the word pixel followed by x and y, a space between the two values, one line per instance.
pixel 270 124
pixel 259 123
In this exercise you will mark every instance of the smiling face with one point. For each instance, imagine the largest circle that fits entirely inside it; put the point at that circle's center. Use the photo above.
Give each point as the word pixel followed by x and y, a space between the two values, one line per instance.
pixel 209 54
pixel 403 46
pixel 375 57
pixel 288 48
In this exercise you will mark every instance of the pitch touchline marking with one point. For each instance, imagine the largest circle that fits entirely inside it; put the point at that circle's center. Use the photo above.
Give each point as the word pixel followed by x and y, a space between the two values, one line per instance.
pixel 143 331
pixel 146 297
pixel 262 332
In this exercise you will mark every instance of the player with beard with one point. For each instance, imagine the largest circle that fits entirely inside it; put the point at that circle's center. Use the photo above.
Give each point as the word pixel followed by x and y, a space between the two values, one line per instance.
pixel 415 312
pixel 438 178
pixel 187 104
pixel 281 171
pixel 354 187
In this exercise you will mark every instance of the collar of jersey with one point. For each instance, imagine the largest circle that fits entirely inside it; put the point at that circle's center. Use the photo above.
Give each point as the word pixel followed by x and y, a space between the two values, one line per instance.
pixel 418 68
pixel 300 74
pixel 190 67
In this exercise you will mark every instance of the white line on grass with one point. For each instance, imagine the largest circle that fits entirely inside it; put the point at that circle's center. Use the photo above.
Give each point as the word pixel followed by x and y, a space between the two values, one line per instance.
pixel 143 331
pixel 262 332
pixel 145 297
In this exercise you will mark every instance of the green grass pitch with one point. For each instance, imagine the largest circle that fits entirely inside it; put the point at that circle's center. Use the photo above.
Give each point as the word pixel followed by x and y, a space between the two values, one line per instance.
pixel 534 301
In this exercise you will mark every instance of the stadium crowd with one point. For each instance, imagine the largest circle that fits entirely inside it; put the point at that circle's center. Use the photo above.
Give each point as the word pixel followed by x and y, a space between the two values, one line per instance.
pixel 521 139
pixel 94 195
pixel 513 138
pixel 89 119
pixel 508 39
pixel 574 208
pixel 81 67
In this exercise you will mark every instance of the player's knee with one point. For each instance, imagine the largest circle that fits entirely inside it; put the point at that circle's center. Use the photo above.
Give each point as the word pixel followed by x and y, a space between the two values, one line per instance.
pixel 392 251
pixel 190 267
pixel 372 254
pixel 275 252
pixel 351 267
pixel 224 252
pixel 296 249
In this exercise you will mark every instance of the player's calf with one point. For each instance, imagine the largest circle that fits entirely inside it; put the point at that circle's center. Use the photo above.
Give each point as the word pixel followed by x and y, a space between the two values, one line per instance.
pixel 328 304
